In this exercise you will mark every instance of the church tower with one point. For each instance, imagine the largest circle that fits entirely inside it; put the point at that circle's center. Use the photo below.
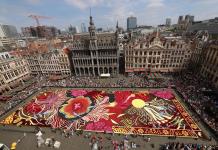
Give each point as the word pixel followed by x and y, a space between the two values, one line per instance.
pixel 92 32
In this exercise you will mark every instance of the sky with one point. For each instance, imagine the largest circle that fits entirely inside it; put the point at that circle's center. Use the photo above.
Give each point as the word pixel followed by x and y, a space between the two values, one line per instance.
pixel 105 13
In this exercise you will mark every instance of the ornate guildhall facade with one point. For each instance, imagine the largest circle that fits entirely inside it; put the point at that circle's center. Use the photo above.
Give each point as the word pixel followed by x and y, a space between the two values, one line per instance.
pixel 154 54
pixel 94 53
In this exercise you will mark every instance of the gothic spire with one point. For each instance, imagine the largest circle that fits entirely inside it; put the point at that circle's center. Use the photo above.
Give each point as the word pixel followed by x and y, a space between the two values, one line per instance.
pixel 91 21
pixel 117 26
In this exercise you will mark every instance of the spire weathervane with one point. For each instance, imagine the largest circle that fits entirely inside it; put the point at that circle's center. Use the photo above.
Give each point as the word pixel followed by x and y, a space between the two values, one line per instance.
pixel 91 22
pixel 117 26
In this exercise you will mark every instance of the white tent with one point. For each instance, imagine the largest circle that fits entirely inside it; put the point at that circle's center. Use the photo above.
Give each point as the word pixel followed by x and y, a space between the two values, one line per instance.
pixel 105 75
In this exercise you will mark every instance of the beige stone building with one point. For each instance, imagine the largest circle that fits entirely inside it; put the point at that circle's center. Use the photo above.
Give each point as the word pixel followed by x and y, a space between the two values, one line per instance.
pixel 13 71
pixel 209 68
pixel 7 42
pixel 154 54
pixel 55 62
pixel 198 45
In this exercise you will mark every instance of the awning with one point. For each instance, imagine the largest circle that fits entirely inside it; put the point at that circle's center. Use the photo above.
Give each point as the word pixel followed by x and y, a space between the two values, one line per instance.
pixel 4 98
pixel 15 84
pixel 54 78
pixel 154 75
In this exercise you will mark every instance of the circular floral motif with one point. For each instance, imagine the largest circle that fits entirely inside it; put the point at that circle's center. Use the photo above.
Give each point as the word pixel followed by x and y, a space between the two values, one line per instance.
pixel 138 103
pixel 76 108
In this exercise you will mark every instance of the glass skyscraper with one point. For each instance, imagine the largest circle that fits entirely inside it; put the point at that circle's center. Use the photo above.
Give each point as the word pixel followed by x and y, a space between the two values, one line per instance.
pixel 131 23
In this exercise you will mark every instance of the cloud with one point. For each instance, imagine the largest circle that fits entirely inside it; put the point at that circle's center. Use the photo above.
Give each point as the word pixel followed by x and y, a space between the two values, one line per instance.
pixel 155 3
pixel 119 11
pixel 83 4
pixel 105 12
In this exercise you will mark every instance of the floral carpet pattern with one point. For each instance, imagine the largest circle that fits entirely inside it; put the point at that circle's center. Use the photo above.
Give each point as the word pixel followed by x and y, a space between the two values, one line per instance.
pixel 145 112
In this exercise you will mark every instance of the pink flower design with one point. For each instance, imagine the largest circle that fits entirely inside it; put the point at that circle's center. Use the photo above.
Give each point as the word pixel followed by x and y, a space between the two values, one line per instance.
pixel 76 93
pixel 99 126
pixel 163 94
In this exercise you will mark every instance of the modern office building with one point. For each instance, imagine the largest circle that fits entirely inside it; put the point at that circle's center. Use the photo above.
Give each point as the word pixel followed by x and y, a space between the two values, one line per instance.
pixel 131 23
pixel 8 31
pixel 83 28
pixel 168 22
pixel 7 35
pixel 73 30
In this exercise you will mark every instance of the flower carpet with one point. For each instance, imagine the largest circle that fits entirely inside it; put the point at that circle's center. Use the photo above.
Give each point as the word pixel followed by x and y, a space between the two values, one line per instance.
pixel 145 112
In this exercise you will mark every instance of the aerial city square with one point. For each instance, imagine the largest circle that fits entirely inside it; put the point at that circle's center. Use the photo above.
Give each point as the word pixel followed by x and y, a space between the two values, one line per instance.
pixel 108 75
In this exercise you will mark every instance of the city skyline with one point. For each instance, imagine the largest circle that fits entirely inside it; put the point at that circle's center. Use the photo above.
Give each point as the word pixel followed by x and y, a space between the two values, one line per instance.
pixel 105 13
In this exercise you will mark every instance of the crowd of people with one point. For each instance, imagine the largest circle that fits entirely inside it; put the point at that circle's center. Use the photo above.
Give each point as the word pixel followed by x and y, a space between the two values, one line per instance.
pixel 183 146
pixel 19 97
pixel 99 141
pixel 136 81
pixel 194 91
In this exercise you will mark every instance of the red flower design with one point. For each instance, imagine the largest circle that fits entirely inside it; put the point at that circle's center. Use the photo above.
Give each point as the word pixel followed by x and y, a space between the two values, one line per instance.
pixel 43 96
pixel 141 96
pixel 32 108
pixel 122 98
pixel 125 98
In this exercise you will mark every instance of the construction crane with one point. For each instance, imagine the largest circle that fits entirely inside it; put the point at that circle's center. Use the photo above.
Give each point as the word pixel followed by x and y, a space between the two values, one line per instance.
pixel 36 17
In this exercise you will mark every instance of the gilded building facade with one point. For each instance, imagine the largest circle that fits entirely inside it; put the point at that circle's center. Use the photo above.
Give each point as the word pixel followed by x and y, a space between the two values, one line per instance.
pixel 154 54
pixel 94 54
